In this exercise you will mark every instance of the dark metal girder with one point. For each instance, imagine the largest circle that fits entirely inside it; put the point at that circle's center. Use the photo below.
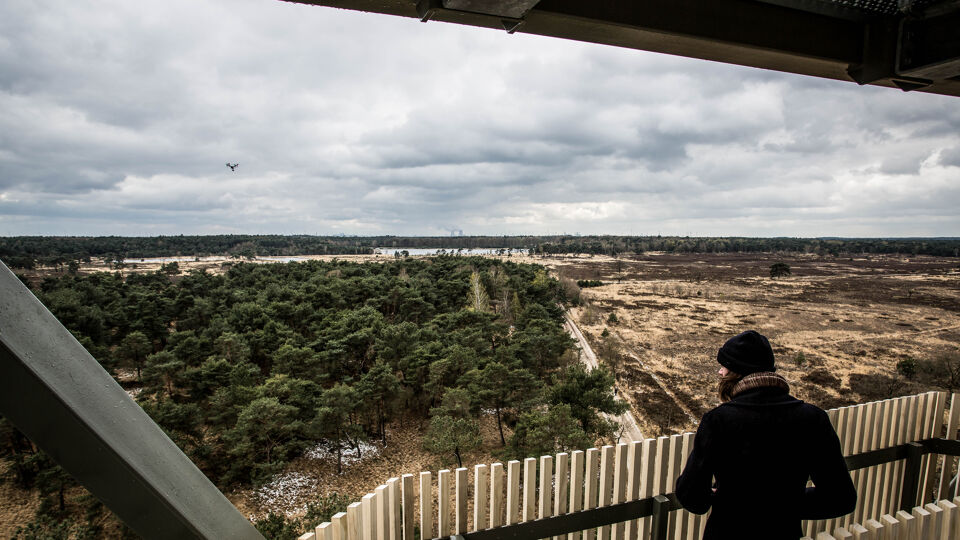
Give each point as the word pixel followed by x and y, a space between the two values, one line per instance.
pixel 511 9
pixel 769 34
pixel 53 391
pixel 929 47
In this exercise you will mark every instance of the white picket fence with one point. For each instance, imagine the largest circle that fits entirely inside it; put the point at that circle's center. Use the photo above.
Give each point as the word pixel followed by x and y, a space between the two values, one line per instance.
pixel 932 521
pixel 505 494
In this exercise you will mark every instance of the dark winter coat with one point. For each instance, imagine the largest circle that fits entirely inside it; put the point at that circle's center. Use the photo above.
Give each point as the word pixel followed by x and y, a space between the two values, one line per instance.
pixel 761 447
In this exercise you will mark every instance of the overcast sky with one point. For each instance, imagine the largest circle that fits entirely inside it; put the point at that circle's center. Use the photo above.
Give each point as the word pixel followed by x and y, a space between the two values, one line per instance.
pixel 117 118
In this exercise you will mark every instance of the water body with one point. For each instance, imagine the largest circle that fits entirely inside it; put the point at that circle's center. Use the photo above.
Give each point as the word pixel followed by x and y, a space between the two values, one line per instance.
pixel 450 251
pixel 215 258
pixel 165 260
pixel 466 252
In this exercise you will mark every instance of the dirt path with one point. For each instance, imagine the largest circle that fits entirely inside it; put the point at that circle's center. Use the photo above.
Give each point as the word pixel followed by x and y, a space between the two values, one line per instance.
pixel 630 431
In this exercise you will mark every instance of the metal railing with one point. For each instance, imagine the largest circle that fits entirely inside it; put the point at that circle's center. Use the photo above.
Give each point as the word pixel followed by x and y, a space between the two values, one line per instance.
pixel 60 397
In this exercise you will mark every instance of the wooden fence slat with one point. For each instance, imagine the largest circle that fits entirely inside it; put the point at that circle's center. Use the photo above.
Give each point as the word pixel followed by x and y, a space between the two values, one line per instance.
pixel 841 533
pixel 426 505
pixel 383 513
pixel 863 499
pixel 513 492
pixel 354 521
pixel 934 429
pixel 647 482
pixel 443 503
pixel 886 481
pixel 576 487
pixel 460 506
pixel 368 513
pixel 480 497
pixel 849 417
pixel 339 522
pixel 951 520
pixel 936 520
pixel 685 518
pixel 661 466
pixel 891 527
pixel 875 528
pixel 887 433
pixel 324 531
pixel 618 530
pixel 950 462
pixel 903 435
pixel 393 506
pixel 870 507
pixel 496 495
pixel 859 419
pixel 907 524
pixel 545 506
pixel 673 471
pixel 837 417
pixel 590 493
pixel 634 460
pixel 859 532
pixel 561 486
pixel 308 536
pixel 920 429
pixel 606 485
pixel 529 489
pixel 922 518
pixel 407 496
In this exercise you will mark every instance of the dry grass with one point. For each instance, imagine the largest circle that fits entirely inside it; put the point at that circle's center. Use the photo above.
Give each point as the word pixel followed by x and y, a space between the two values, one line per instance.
pixel 846 317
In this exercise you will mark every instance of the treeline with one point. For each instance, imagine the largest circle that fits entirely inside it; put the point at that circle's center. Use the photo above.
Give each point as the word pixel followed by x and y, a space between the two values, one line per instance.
pixel 249 369
pixel 30 251
pixel 618 245
pixel 24 251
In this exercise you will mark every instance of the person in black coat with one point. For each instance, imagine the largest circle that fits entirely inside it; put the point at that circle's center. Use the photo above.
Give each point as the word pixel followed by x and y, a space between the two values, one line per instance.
pixel 761 445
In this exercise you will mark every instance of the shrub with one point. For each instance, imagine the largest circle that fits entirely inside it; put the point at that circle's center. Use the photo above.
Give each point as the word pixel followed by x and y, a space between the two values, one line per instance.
pixel 779 269
pixel 907 367
pixel 584 283
pixel 823 378
pixel 799 359
pixel 612 319
pixel 874 386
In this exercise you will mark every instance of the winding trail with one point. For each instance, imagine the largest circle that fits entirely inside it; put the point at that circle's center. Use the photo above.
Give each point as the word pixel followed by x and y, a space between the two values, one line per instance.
pixel 630 430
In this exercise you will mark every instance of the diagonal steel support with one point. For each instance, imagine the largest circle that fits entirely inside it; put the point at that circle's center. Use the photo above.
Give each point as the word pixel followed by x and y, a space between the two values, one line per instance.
pixel 53 391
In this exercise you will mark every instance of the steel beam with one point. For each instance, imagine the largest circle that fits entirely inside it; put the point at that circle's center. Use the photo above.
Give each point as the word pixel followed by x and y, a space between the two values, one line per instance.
pixel 53 391
pixel 808 37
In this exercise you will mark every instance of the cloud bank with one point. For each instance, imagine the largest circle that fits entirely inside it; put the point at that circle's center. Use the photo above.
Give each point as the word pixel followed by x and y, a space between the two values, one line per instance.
pixel 117 118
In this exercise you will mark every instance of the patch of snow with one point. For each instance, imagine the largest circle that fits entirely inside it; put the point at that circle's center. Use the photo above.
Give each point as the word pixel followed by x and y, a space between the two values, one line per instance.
pixel 286 493
pixel 349 456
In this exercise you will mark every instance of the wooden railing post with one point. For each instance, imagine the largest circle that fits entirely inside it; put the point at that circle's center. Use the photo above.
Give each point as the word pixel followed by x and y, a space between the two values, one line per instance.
pixel 661 517
pixel 911 476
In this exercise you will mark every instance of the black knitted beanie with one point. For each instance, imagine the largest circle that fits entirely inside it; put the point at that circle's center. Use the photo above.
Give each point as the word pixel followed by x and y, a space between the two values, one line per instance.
pixel 746 353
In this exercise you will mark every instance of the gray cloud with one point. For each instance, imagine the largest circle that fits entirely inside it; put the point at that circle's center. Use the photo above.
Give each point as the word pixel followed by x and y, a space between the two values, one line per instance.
pixel 117 119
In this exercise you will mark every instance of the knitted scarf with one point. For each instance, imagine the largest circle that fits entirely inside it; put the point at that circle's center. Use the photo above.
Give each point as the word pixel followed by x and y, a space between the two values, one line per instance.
pixel 761 379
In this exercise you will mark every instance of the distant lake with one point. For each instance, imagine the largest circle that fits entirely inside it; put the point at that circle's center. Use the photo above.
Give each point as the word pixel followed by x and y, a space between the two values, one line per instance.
pixel 294 258
pixel 164 260
pixel 215 258
pixel 449 251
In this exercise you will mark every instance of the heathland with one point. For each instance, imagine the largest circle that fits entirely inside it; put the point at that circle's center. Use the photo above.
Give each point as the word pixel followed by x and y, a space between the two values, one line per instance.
pixel 297 386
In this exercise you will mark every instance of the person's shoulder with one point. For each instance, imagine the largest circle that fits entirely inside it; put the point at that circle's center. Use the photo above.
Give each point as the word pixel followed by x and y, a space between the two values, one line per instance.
pixel 812 412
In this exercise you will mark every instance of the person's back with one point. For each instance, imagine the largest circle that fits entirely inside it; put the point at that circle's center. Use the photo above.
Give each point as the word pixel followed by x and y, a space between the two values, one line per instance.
pixel 761 446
